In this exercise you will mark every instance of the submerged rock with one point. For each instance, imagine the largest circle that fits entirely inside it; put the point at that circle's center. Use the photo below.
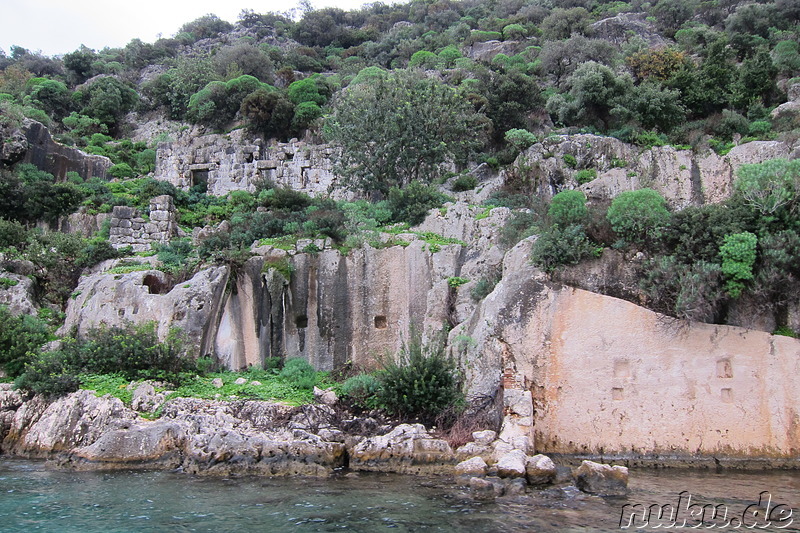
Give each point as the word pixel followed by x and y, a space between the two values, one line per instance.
pixel 602 479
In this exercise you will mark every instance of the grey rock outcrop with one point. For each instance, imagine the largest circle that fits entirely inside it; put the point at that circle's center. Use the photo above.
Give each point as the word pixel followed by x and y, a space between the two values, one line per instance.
pixel 58 159
pixel 512 464
pixel 602 479
pixel 487 50
pixel 407 449
pixel 684 178
pixel 618 29
pixel 145 296
pixel 475 466
pixel 540 470
pixel 16 293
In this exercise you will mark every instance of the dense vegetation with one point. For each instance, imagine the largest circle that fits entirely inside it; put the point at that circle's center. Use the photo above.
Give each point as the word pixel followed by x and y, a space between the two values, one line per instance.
pixel 414 94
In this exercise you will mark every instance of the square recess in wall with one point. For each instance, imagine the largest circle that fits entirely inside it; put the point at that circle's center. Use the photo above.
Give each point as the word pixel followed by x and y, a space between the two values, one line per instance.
pixel 381 322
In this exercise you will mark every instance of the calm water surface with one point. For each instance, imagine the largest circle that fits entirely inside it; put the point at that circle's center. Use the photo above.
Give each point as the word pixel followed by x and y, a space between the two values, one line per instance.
pixel 35 497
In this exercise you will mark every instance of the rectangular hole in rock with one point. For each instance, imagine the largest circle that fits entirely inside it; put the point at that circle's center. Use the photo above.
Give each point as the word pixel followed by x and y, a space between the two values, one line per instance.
pixel 301 321
pixel 380 322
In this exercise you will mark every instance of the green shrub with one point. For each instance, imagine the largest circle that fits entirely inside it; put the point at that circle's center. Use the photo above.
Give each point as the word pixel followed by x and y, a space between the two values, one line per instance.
pixel 456 281
pixel 690 291
pixel 122 170
pixel 561 246
pixel 638 217
pixel 362 391
pixel 738 253
pixel 21 338
pixel 520 139
pixel 466 182
pixel 570 160
pixel 586 175
pixel 483 287
pixel 412 203
pixel 568 208
pixel 300 373
pixel 421 383
pixel 769 186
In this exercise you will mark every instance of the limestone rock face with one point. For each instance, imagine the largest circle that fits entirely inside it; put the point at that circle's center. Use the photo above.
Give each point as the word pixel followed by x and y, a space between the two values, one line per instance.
pixel 682 177
pixel 407 449
pixel 139 297
pixel 13 145
pixel 40 430
pixel 487 50
pixel 618 29
pixel 58 159
pixel 16 293
pixel 602 479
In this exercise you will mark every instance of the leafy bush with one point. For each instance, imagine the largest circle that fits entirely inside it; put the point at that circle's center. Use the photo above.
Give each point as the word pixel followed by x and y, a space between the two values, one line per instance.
pixel 769 186
pixel 570 160
pixel 467 182
pixel 638 217
pixel 585 175
pixel 568 208
pixel 738 253
pixel 300 373
pixel 691 291
pixel 520 139
pixel 412 203
pixel 362 391
pixel 561 246
pixel 21 338
pixel 421 383
pixel 131 351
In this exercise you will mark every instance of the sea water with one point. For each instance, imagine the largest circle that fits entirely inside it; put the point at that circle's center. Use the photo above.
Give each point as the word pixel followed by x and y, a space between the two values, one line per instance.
pixel 37 497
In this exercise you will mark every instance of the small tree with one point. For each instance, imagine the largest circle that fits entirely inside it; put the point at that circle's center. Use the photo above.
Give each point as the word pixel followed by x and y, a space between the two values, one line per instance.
pixel 638 217
pixel 769 186
pixel 400 128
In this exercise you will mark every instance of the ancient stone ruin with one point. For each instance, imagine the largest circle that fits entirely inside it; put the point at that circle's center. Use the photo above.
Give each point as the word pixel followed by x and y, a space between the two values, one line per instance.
pixel 129 228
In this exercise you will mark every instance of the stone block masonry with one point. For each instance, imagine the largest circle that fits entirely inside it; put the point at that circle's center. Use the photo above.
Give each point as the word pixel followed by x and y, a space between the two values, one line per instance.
pixel 129 228
pixel 225 163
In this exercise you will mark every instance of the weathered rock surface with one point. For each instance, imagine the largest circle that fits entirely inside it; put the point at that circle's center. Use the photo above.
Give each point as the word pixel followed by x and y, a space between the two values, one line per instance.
pixel 512 464
pixel 144 296
pixel 472 467
pixel 16 293
pixel 540 470
pixel 235 162
pixel 653 384
pixel 602 479
pixel 681 176
pixel 618 29
pixel 407 449
pixel 58 159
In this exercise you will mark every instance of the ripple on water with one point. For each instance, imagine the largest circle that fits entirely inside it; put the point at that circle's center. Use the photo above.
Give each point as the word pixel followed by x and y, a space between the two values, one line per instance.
pixel 40 499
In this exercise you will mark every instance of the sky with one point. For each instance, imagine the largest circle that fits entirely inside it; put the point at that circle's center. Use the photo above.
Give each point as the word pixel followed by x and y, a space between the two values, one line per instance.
pixel 56 27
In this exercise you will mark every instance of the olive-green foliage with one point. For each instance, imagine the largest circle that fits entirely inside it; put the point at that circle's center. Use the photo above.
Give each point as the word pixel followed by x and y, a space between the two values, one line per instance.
pixel 421 383
pixel 299 372
pixel 769 186
pixel 585 175
pixel 107 99
pixel 29 195
pixel 465 182
pixel 21 338
pixel 362 391
pixel 268 112
pixel 738 254
pixel 691 290
pixel 520 139
pixel 401 128
pixel 134 352
pixel 218 102
pixel 412 203
pixel 558 246
pixel 174 88
pixel 638 217
pixel 568 208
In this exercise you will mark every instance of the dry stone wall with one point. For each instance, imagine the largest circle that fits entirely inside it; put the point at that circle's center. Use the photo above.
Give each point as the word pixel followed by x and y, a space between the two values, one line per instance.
pixel 129 228
pixel 226 163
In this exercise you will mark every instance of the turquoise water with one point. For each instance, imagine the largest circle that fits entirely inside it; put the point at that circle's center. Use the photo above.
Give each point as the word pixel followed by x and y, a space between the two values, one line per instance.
pixel 35 497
